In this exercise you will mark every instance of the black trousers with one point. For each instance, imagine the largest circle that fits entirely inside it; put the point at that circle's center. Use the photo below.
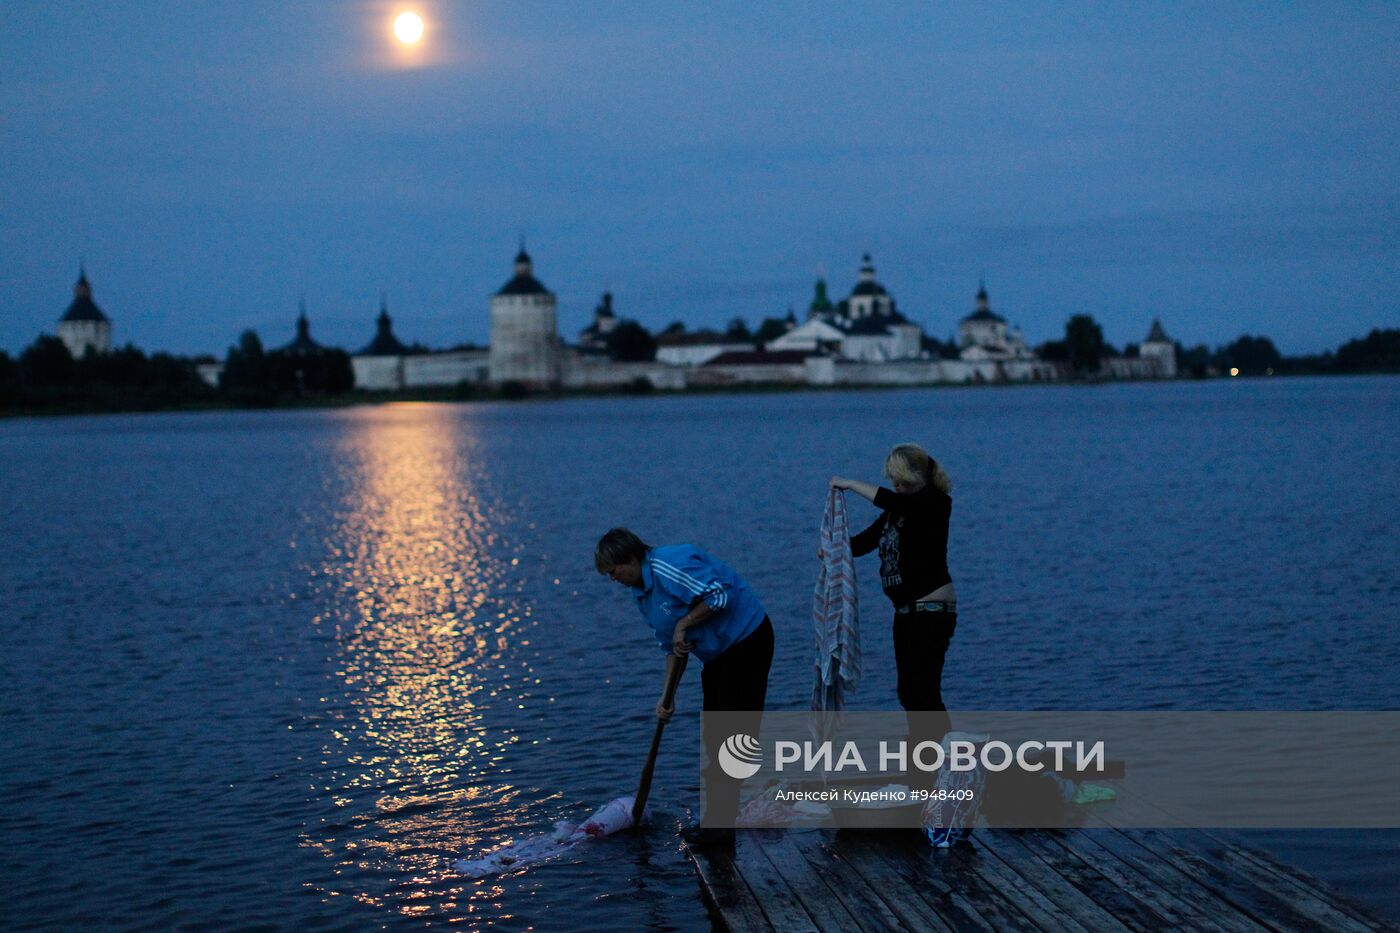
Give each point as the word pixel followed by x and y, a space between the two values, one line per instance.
pixel 920 644
pixel 736 681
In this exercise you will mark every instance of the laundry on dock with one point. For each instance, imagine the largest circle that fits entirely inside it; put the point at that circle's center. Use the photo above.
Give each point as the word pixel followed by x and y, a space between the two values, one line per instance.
pixel 835 610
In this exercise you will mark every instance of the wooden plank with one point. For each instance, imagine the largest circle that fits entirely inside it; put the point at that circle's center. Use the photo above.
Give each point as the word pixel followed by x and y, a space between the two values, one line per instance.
pixel 1053 885
pixel 915 912
pixel 845 882
pixel 1155 883
pixel 965 869
pixel 1291 884
pixel 1242 882
pixel 726 892
pixel 1293 876
pixel 1083 881
pixel 778 902
pixel 1163 872
pixel 1106 893
pixel 1315 899
pixel 1033 902
pixel 945 880
pixel 810 889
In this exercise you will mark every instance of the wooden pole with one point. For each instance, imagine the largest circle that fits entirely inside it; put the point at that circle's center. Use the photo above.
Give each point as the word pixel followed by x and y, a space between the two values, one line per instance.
pixel 668 699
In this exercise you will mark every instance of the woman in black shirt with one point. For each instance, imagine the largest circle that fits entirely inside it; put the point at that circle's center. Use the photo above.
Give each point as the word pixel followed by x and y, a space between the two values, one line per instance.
pixel 912 536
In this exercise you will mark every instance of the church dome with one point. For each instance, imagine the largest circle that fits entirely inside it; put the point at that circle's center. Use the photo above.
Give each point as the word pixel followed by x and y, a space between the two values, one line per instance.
pixel 868 288
pixel 523 285
pixel 524 282
pixel 303 344
pixel 867 284
pixel 384 342
pixel 984 311
pixel 83 308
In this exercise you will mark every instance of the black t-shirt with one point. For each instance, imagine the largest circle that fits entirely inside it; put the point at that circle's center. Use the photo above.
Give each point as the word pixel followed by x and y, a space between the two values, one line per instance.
pixel 912 534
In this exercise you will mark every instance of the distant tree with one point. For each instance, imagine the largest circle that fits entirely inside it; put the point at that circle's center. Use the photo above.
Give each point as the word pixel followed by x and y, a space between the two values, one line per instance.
pixel 171 373
pixel 675 327
pixel 255 377
pixel 1130 349
pixel 1325 362
pixel 1196 361
pixel 1251 355
pixel 9 381
pixel 46 364
pixel 127 379
pixel 1054 350
pixel 327 372
pixel 124 366
pixel 1378 351
pixel 1084 338
pixel 738 329
pixel 630 342
pixel 513 389
pixel 248 377
pixel 940 349
pixel 771 329
pixel 340 372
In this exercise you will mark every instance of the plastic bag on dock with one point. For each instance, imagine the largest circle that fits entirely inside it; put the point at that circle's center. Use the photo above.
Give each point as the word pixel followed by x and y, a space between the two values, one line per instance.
pixel 951 811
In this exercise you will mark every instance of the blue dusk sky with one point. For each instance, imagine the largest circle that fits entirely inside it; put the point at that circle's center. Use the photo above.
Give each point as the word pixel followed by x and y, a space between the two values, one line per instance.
pixel 1228 167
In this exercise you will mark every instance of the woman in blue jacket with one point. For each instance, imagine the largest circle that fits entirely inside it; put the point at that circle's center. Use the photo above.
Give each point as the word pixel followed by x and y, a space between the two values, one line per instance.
pixel 696 605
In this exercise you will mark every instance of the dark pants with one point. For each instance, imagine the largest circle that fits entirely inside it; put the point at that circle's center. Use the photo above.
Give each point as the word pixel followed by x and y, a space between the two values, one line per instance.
pixel 736 681
pixel 920 643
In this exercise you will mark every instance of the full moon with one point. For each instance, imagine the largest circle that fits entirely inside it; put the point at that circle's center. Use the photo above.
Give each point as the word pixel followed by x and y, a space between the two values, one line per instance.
pixel 408 28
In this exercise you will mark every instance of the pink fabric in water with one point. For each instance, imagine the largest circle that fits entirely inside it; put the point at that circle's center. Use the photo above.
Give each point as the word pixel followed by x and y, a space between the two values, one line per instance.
pixel 613 816
pixel 616 814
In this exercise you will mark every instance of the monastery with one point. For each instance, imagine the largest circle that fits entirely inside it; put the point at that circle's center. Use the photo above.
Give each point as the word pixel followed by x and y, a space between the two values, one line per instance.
pixel 862 339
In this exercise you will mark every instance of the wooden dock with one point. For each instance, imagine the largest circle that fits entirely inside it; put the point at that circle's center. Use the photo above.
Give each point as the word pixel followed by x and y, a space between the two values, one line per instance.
pixel 1079 880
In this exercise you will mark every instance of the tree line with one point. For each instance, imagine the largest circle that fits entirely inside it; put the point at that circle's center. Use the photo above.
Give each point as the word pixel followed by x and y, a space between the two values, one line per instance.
pixel 630 342
pixel 1083 349
pixel 45 377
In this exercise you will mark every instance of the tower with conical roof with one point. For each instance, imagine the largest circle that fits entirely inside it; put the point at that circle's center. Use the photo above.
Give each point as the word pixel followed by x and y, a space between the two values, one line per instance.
pixel 1158 346
pixel 384 342
pixel 83 326
pixel 302 344
pixel 524 330
pixel 380 365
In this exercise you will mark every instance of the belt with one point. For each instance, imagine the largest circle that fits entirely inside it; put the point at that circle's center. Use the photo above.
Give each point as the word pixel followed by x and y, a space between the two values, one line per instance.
pixel 926 605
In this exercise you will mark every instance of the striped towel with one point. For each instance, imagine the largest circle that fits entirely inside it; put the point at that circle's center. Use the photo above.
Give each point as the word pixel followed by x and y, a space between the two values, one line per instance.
pixel 834 611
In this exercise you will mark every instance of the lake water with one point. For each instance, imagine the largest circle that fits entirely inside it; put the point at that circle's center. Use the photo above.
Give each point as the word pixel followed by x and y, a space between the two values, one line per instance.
pixel 280 668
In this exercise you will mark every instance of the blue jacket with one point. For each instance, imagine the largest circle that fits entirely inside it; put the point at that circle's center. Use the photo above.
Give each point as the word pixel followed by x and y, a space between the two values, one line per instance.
pixel 674 578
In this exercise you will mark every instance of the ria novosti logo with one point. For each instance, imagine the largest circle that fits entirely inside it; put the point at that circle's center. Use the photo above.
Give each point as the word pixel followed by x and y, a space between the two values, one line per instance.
pixel 740 756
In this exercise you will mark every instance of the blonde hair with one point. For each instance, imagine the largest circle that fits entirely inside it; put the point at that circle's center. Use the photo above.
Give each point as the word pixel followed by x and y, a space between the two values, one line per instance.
pixel 910 463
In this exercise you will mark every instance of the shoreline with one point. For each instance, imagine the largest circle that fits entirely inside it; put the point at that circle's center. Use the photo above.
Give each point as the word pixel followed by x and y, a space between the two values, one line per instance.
pixel 456 395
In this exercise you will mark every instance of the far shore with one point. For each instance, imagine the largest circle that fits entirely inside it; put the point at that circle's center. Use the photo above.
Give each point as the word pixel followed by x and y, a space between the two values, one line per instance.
pixel 481 394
